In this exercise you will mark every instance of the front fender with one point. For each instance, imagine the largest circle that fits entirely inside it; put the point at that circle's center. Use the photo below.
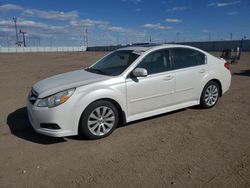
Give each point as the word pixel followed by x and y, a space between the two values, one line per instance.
pixel 85 98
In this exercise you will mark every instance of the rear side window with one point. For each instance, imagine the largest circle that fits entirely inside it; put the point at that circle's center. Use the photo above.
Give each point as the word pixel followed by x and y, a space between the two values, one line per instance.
pixel 184 57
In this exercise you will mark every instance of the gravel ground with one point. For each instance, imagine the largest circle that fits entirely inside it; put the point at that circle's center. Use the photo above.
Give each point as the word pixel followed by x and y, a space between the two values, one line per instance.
pixel 187 148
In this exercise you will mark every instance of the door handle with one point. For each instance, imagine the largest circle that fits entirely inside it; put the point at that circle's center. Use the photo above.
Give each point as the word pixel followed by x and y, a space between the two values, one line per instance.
pixel 168 77
pixel 202 70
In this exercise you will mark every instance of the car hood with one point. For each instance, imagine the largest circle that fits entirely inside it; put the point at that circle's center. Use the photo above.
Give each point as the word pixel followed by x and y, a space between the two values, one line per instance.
pixel 57 83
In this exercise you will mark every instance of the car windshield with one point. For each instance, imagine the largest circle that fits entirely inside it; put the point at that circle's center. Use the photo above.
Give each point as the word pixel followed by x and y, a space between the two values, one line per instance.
pixel 115 63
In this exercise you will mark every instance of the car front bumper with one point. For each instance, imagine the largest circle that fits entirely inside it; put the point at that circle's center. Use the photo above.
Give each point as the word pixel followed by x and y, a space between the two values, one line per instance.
pixel 60 115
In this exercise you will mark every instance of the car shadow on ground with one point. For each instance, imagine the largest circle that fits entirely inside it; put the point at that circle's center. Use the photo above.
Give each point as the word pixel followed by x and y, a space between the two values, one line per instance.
pixel 20 127
pixel 243 73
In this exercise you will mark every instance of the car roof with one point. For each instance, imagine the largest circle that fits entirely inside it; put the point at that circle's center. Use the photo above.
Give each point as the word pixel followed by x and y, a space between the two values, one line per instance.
pixel 140 49
pixel 136 48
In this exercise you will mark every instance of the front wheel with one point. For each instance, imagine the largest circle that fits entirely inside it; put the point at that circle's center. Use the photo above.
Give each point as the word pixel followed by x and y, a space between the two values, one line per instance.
pixel 210 95
pixel 99 120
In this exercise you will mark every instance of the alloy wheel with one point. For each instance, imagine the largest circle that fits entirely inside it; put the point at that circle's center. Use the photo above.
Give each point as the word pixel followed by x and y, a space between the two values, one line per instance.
pixel 211 95
pixel 101 120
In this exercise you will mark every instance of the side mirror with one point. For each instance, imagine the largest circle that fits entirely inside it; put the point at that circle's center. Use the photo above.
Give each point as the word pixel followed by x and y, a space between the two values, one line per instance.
pixel 140 72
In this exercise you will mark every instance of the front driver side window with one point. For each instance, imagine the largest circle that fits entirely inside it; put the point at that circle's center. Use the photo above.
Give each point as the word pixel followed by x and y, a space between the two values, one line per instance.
pixel 156 62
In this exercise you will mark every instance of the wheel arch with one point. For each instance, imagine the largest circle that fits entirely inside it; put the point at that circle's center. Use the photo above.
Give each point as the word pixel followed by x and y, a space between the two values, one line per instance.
pixel 208 79
pixel 219 84
pixel 121 113
pixel 203 103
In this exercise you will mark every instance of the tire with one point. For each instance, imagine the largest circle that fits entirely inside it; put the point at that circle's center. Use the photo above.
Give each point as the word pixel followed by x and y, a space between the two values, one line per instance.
pixel 210 95
pixel 99 120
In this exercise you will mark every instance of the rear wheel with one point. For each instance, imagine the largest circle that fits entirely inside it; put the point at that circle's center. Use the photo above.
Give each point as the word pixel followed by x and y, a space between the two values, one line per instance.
pixel 99 120
pixel 210 95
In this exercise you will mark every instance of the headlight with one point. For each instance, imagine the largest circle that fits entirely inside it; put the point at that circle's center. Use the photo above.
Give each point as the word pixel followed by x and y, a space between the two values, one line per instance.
pixel 56 99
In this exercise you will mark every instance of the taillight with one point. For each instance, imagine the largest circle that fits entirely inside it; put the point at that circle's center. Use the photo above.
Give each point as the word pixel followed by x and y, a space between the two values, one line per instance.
pixel 227 65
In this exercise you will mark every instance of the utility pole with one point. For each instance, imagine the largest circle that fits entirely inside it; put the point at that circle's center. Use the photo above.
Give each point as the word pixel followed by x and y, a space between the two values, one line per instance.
pixel 117 39
pixel 209 37
pixel 85 36
pixel 17 40
pixel 50 40
pixel 8 42
pixel 231 36
pixel 126 39
pixel 23 31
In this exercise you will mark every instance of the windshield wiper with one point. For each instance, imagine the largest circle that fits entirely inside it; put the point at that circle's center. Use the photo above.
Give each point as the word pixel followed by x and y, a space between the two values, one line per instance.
pixel 96 70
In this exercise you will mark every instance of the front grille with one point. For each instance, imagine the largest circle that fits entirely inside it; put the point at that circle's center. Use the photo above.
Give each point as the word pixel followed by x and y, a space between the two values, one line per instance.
pixel 33 96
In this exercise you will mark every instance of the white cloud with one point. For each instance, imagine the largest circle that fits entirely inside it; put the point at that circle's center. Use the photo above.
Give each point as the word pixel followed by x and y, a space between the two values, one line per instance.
pixel 53 15
pixel 173 20
pixel 116 29
pixel 37 29
pixel 6 29
pixel 206 31
pixel 5 22
pixel 72 29
pixel 103 25
pixel 9 7
pixel 23 23
pixel 219 4
pixel 232 13
pixel 156 26
pixel 177 9
pixel 87 23
pixel 138 10
pixel 30 23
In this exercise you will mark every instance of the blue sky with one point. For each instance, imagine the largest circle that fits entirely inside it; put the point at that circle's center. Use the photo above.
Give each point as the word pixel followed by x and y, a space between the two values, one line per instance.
pixel 58 22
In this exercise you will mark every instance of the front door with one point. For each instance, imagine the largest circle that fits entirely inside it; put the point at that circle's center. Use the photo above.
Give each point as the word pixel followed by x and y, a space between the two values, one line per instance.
pixel 155 91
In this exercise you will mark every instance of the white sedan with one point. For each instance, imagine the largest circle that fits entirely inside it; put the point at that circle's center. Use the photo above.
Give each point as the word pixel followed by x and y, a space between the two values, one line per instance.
pixel 126 85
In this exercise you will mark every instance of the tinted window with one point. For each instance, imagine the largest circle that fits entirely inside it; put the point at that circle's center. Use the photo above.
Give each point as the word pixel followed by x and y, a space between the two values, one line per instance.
pixel 184 57
pixel 156 62
pixel 118 59
pixel 115 63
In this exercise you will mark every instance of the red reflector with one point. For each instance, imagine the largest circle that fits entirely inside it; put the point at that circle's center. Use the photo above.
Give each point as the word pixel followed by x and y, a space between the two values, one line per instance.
pixel 227 65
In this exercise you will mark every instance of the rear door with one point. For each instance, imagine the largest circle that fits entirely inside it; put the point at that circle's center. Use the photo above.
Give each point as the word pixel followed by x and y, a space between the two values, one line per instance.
pixel 190 67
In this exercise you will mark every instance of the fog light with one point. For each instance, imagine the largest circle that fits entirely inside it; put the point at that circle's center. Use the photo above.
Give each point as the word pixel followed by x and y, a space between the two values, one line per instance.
pixel 49 126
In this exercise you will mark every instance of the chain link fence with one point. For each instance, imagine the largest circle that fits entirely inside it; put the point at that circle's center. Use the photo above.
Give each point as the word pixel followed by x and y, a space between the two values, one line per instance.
pixel 43 49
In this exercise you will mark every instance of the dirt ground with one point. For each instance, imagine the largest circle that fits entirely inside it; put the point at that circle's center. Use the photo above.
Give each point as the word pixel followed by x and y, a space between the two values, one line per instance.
pixel 187 148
